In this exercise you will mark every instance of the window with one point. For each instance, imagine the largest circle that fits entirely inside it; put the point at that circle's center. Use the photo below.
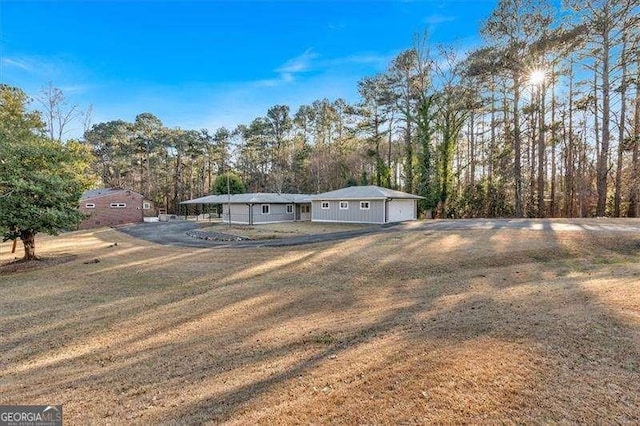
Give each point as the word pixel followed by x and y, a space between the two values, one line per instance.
pixel 344 205
pixel 265 209
pixel 364 205
pixel 118 205
pixel 90 205
pixel 289 208
pixel 146 206
pixel 325 205
pixel 305 208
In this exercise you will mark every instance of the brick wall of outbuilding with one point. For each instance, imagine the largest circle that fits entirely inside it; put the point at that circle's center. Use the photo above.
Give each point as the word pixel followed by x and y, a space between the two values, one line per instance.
pixel 105 215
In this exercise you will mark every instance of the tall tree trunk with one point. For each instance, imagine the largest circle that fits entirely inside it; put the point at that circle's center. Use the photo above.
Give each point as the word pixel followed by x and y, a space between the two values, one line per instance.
pixel 376 137
pixel 531 209
pixel 634 197
pixel 602 165
pixel 584 173
pixel 472 149
pixel 29 242
pixel 570 175
pixel 517 146
pixel 554 134
pixel 508 138
pixel 177 183
pixel 492 137
pixel 390 143
pixel 621 128
pixel 541 151
pixel 141 188
pixel 408 152
pixel 209 175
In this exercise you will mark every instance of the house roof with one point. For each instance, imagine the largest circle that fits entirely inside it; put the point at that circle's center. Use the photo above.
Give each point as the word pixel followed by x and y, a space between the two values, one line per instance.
pixel 252 198
pixel 370 192
pixel 101 192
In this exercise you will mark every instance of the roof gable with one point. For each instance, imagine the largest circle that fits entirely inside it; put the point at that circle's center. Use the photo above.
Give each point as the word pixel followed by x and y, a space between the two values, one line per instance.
pixel 102 192
pixel 370 192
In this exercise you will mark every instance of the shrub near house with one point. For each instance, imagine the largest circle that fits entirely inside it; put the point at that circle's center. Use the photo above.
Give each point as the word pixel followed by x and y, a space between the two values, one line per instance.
pixel 113 206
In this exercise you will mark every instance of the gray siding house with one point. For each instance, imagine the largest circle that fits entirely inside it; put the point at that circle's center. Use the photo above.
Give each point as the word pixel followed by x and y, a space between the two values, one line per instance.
pixel 364 204
pixel 256 208
pixel 355 204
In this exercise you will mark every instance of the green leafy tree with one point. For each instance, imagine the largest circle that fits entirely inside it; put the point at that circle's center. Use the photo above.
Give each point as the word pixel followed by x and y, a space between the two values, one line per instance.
pixel 40 179
pixel 234 186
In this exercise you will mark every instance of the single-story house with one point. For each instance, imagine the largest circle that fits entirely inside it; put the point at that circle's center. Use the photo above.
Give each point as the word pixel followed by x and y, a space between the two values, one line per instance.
pixel 364 204
pixel 355 204
pixel 113 206
pixel 255 208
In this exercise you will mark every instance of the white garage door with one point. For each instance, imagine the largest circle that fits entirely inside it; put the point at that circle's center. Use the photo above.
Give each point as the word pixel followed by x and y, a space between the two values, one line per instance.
pixel 401 210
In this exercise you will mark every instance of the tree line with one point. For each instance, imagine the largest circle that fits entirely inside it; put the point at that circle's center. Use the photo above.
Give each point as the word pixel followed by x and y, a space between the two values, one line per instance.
pixel 541 120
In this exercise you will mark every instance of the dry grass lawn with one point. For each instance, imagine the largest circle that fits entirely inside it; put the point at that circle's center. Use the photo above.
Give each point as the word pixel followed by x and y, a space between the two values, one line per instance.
pixel 270 231
pixel 407 327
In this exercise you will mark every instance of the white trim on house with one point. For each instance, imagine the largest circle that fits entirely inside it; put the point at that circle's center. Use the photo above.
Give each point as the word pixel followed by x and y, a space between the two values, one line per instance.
pixel 259 223
pixel 90 205
pixel 146 205
pixel 344 205
pixel 118 205
pixel 365 205
pixel 322 205
pixel 262 206
pixel 348 221
pixel 271 221
pixel 289 209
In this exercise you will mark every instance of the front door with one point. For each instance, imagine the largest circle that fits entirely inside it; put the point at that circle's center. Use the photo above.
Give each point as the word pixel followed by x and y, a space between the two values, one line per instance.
pixel 305 212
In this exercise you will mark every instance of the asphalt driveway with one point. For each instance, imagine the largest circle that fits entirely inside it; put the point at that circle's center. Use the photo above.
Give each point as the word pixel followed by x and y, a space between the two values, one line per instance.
pixel 175 233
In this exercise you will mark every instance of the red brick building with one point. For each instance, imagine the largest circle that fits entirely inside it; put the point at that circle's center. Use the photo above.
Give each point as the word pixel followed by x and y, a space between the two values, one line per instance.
pixel 113 206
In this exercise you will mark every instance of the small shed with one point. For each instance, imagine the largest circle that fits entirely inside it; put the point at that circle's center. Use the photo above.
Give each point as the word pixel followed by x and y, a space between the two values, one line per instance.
pixel 364 204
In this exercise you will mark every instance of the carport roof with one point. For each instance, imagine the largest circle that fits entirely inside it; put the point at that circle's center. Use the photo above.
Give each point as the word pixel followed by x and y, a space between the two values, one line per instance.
pixel 370 192
pixel 252 198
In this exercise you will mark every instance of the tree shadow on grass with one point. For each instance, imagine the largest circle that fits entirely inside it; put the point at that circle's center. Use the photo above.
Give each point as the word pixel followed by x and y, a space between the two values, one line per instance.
pixel 21 265
pixel 216 351
pixel 587 356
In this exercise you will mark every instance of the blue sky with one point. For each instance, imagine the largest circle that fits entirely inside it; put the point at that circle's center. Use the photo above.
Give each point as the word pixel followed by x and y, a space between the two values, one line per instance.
pixel 206 64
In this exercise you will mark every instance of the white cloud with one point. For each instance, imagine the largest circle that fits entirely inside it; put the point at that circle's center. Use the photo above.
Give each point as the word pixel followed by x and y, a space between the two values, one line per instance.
pixel 38 67
pixel 379 61
pixel 438 19
pixel 336 26
pixel 300 63
pixel 18 63
pixel 287 72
